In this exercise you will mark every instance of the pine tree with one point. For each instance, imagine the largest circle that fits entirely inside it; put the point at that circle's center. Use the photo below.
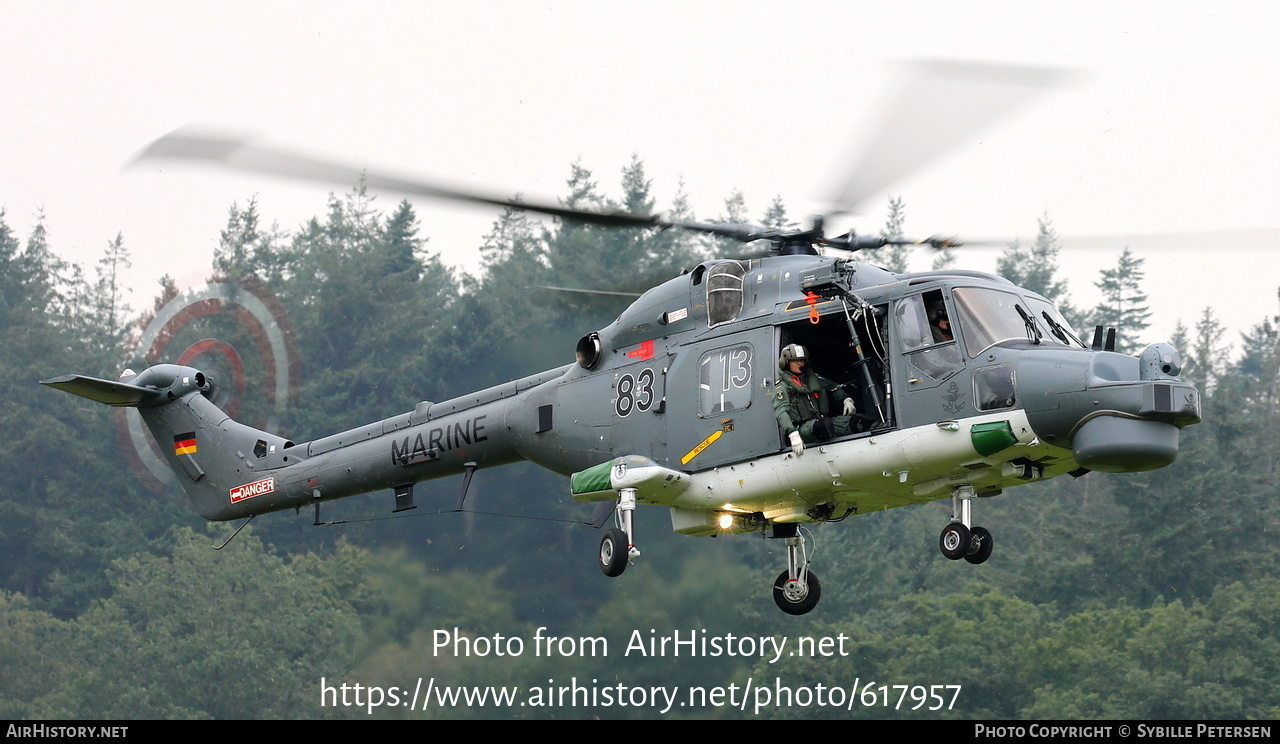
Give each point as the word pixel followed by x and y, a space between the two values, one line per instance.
pixel 895 258
pixel 245 247
pixel 401 245
pixel 582 190
pixel 1124 304
pixel 643 247
pixel 1209 353
pixel 367 301
pixel 1035 268
pixel 735 208
pixel 62 519
pixel 112 308
pixel 1180 340
pixel 775 217
pixel 1253 414
pixel 237 239
pixel 944 259
pixel 513 240
pixel 515 269
pixel 735 212
pixel 685 246
pixel 574 246
pixel 41 272
pixel 636 198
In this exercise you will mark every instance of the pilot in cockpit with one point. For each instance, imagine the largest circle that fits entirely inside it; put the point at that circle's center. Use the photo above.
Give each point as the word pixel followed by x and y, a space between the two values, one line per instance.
pixel 939 323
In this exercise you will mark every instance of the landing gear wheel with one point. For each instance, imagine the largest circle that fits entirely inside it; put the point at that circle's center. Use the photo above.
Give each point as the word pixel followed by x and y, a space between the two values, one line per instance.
pixel 795 598
pixel 954 541
pixel 980 546
pixel 613 552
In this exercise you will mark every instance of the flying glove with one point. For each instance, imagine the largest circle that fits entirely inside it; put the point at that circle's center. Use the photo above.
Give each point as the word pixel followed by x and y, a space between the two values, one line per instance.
pixel 797 444
pixel 849 407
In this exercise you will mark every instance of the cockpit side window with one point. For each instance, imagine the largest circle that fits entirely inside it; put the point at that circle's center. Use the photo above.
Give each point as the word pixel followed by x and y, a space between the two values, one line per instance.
pixel 924 326
pixel 939 320
pixel 923 321
pixel 913 327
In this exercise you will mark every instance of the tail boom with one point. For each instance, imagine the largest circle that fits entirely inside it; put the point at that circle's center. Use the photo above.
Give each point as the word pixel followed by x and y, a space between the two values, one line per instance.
pixel 231 470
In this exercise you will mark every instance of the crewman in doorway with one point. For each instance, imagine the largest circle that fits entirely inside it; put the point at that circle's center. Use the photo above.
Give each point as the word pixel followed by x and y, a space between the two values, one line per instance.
pixel 803 401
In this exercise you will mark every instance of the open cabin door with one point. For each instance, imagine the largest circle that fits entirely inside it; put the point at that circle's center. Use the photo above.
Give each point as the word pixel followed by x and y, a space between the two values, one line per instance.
pixel 832 349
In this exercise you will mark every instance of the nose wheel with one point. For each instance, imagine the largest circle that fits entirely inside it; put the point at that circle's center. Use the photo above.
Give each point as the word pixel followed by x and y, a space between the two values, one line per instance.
pixel 799 595
pixel 959 540
pixel 796 590
pixel 954 541
pixel 980 546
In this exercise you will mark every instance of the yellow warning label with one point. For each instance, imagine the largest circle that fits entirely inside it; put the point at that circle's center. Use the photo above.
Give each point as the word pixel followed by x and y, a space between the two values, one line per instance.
pixel 703 445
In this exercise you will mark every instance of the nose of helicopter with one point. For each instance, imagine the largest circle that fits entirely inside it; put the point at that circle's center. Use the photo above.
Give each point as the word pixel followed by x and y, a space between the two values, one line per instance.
pixel 1117 413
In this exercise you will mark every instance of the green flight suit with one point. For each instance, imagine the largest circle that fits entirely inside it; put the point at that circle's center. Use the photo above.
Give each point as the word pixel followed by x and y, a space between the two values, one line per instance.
pixel 801 401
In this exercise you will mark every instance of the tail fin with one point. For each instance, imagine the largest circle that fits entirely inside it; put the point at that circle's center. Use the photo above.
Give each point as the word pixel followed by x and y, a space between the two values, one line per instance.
pixel 223 465
pixel 105 391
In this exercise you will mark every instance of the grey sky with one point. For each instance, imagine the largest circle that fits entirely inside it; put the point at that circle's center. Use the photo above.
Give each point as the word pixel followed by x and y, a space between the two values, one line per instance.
pixel 1172 132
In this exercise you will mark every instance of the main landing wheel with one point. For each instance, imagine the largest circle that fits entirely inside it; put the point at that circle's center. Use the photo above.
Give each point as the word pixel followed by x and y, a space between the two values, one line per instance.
pixel 980 546
pixel 613 552
pixel 954 541
pixel 795 597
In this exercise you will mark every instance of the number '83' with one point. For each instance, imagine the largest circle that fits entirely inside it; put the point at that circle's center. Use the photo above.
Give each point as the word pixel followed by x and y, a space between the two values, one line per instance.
pixel 634 393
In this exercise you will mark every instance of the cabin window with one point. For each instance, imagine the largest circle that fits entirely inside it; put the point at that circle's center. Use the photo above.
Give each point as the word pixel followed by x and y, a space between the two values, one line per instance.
pixel 724 380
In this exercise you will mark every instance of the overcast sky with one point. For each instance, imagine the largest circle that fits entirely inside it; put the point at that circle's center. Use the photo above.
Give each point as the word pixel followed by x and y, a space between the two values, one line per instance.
pixel 1173 130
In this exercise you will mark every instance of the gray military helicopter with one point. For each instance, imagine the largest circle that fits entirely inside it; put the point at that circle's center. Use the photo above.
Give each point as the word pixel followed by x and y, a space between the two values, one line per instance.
pixel 964 385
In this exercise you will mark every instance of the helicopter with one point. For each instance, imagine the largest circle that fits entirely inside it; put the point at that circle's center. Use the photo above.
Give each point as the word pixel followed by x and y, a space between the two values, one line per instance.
pixel 961 384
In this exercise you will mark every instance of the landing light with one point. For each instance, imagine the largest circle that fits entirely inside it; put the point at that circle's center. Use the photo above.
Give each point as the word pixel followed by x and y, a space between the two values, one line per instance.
pixel 726 521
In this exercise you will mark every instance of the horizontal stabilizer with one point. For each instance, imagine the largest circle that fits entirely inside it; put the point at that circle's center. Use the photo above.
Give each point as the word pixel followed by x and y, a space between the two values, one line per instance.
pixel 104 391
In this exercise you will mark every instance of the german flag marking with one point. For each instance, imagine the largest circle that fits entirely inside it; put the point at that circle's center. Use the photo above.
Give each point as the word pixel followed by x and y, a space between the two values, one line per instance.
pixel 184 444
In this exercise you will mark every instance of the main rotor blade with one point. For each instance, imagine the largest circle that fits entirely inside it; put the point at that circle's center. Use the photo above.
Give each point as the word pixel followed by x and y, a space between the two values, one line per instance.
pixel 239 153
pixel 601 292
pixel 938 107
pixel 1250 239
pixel 1263 238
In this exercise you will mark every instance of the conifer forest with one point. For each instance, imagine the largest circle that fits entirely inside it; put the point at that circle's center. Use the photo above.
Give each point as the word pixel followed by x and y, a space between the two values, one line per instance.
pixel 1149 596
